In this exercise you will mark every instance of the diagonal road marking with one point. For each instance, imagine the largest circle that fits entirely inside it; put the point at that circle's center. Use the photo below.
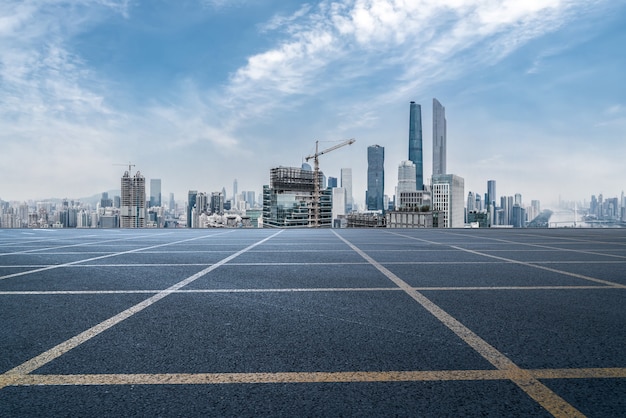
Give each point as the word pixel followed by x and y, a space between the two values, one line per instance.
pixel 62 348
pixel 523 263
pixel 72 263
pixel 548 399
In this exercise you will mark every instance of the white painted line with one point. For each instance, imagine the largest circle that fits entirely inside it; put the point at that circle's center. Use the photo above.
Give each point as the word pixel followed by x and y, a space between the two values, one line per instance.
pixel 55 266
pixel 57 351
pixel 528 264
pixel 548 399
pixel 301 289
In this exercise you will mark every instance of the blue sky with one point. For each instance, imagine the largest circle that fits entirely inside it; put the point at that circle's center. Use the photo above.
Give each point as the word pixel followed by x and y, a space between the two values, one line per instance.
pixel 200 92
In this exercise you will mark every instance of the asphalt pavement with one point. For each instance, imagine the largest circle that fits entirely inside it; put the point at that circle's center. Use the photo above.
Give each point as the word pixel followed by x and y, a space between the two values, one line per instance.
pixel 349 322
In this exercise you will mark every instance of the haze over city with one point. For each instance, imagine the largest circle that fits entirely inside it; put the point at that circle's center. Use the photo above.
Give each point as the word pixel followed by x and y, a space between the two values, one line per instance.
pixel 198 93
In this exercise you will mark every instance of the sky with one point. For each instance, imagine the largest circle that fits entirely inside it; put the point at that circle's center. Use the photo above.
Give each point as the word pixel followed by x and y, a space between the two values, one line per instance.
pixel 198 93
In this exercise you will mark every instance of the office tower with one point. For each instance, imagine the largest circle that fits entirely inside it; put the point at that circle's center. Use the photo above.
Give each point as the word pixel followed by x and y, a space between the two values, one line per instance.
pixel 251 199
pixel 172 205
pixel 439 138
pixel 415 143
pixel 234 190
pixel 155 192
pixel 346 183
pixel 133 201
pixel 374 196
pixel 191 202
pixel 491 193
pixel 406 177
pixel 448 194
pixel 471 202
pixel 518 199
pixel 332 182
pixel 339 203
pixel 105 202
pixel 288 199
pixel 217 203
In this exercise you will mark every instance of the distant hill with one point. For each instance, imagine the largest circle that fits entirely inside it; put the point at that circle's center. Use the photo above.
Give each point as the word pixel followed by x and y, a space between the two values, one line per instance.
pixel 92 200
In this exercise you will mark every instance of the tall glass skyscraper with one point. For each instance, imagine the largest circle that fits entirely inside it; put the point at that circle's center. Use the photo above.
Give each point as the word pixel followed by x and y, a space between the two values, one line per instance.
pixel 374 196
pixel 439 138
pixel 415 143
pixel 155 192
pixel 491 192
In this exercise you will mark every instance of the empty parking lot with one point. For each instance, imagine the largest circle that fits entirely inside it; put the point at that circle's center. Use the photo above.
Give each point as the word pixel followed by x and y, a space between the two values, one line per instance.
pixel 313 322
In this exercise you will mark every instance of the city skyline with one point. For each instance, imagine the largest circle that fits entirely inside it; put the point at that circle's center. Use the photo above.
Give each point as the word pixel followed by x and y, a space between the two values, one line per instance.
pixel 199 94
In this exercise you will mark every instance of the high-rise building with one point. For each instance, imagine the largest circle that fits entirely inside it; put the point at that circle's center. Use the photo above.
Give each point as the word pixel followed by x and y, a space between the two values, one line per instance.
pixel 191 202
pixel 448 194
pixel 172 204
pixel 406 177
pixel 133 201
pixel 155 192
pixel 289 198
pixel 346 183
pixel 332 182
pixel 217 203
pixel 339 203
pixel 471 202
pixel 491 193
pixel 374 196
pixel 415 143
pixel 439 138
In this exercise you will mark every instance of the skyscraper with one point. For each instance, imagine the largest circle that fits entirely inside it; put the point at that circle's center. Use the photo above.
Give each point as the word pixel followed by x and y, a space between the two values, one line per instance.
pixel 346 183
pixel 491 193
pixel 439 138
pixel 133 201
pixel 415 143
pixel 191 202
pixel 374 196
pixel 155 192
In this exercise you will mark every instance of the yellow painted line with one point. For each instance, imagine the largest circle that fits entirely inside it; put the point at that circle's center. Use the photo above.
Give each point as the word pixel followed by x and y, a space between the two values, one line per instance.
pixel 588 373
pixel 57 351
pixel 250 378
pixel 549 400
pixel 306 377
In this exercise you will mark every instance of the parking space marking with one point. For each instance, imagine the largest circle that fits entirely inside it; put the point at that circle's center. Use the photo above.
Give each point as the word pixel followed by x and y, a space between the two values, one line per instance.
pixel 548 399
pixel 308 377
pixel 293 290
pixel 56 266
pixel 62 348
pixel 523 263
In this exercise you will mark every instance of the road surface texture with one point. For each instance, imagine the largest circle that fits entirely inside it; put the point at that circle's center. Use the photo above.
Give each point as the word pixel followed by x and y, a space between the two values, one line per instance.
pixel 351 322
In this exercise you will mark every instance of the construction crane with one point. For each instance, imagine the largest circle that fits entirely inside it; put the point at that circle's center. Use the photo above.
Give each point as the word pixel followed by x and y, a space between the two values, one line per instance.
pixel 316 173
pixel 129 166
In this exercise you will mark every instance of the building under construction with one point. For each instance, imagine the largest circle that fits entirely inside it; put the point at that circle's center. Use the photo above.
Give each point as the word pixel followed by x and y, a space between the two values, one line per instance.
pixel 289 200
pixel 133 201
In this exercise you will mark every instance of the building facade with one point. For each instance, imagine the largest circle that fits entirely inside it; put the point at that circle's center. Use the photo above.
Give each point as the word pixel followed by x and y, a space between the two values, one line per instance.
pixel 133 201
pixel 346 183
pixel 448 195
pixel 406 178
pixel 439 138
pixel 374 196
pixel 289 198
pixel 155 192
pixel 416 150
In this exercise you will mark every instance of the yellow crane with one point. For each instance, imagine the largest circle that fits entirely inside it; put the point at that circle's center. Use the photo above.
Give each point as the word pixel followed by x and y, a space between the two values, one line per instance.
pixel 316 174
